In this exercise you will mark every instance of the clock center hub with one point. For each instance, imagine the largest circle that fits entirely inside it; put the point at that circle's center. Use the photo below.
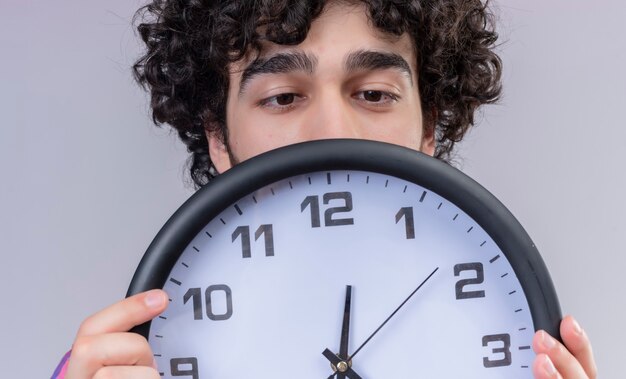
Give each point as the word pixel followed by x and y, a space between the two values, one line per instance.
pixel 342 366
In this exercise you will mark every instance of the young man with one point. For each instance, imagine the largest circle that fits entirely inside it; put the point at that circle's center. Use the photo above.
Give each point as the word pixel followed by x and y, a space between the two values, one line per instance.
pixel 240 78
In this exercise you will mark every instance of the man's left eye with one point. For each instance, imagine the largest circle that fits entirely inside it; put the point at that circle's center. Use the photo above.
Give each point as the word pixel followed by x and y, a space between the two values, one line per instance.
pixel 380 97
pixel 284 99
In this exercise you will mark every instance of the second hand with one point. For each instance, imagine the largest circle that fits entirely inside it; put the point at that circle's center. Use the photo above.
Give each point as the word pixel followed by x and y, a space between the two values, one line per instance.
pixel 391 315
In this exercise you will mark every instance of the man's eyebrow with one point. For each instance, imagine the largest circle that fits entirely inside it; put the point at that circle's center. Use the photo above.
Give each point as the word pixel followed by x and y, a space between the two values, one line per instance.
pixel 367 60
pixel 281 63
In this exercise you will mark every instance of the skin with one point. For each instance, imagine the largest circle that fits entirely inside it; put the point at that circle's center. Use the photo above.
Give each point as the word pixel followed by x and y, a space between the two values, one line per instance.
pixel 330 96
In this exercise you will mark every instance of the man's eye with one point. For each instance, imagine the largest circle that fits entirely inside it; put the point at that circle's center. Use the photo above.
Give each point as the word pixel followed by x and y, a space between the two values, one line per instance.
pixel 280 101
pixel 374 96
pixel 378 97
pixel 285 99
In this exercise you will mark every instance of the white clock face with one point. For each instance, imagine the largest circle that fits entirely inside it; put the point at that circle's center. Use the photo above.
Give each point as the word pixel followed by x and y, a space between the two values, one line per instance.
pixel 260 291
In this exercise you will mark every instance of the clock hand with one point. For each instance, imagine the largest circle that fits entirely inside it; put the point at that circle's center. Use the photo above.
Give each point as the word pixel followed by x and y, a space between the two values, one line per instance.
pixel 339 365
pixel 391 315
pixel 345 330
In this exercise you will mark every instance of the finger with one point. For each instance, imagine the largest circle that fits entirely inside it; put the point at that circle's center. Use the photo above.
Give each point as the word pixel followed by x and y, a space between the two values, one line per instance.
pixel 565 363
pixel 578 344
pixel 543 368
pixel 92 353
pixel 126 372
pixel 124 315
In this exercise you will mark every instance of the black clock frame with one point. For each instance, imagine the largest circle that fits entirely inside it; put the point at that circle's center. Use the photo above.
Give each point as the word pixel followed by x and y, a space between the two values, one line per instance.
pixel 347 154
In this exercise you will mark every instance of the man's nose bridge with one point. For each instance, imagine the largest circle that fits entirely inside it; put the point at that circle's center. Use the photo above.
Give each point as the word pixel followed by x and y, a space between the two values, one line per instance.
pixel 334 118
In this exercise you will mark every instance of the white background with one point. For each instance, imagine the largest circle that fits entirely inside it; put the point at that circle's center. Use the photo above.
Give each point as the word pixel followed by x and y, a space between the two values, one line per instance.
pixel 86 180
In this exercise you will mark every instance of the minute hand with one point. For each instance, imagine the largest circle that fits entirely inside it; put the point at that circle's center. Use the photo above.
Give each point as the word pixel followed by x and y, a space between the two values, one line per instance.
pixel 345 330
pixel 391 315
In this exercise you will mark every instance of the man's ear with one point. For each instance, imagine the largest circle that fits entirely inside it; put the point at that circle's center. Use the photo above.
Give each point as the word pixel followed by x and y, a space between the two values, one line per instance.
pixel 218 151
pixel 428 143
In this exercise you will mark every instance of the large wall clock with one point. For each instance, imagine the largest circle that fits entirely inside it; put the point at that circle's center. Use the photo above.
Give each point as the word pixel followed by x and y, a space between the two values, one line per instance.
pixel 347 259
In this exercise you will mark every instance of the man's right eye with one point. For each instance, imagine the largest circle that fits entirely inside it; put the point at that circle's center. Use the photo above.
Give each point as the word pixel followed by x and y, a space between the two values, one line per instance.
pixel 282 101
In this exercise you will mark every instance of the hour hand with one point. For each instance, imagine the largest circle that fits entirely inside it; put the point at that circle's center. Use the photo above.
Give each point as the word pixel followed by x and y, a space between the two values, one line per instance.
pixel 341 365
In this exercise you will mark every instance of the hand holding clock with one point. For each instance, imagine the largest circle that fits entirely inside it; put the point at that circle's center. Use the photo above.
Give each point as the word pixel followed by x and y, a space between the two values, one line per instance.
pixel 104 348
pixel 574 360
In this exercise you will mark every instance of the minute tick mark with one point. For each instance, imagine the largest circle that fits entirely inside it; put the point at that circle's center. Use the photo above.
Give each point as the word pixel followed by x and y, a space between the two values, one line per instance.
pixel 423 196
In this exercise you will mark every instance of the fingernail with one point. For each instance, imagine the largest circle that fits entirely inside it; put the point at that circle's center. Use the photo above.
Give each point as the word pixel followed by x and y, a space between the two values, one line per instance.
pixel 154 364
pixel 547 341
pixel 548 367
pixel 154 299
pixel 577 329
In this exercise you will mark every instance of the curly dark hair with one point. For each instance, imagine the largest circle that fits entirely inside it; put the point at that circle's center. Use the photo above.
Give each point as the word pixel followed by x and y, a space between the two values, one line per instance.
pixel 190 44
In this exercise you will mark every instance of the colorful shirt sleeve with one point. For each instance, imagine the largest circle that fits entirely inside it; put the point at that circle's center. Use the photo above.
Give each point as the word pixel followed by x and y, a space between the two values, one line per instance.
pixel 59 373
